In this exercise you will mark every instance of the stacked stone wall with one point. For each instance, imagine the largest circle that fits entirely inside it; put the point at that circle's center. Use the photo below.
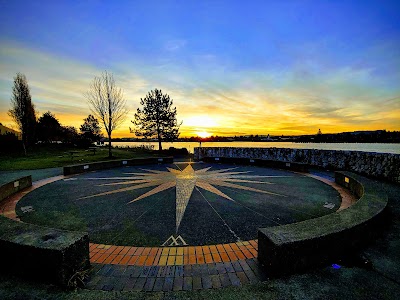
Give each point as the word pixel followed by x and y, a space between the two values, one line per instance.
pixel 379 165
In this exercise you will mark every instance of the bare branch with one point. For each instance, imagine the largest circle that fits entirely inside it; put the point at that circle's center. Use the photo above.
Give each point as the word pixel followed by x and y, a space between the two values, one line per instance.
pixel 107 103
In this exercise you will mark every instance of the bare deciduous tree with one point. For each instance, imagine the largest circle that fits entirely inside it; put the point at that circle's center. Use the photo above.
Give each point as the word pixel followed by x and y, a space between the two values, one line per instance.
pixel 23 111
pixel 106 101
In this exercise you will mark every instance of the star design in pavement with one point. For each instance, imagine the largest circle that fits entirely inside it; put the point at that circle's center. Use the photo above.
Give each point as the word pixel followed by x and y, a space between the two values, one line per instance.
pixel 184 181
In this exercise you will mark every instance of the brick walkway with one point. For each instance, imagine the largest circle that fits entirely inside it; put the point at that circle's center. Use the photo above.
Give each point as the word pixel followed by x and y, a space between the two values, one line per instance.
pixel 172 256
pixel 176 277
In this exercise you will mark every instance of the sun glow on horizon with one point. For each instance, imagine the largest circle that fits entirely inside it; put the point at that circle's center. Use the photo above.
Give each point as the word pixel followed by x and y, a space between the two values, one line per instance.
pixel 203 134
pixel 201 125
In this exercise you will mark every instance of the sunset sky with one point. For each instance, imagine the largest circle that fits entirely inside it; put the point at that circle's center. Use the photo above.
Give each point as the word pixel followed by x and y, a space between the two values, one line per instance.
pixel 231 67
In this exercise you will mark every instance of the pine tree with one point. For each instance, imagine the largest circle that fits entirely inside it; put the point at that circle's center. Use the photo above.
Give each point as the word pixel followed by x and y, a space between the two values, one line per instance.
pixel 157 118
pixel 91 129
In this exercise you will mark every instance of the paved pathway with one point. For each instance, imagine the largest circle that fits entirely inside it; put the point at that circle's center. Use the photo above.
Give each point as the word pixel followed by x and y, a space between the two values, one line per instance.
pixel 39 174
pixel 170 256
pixel 175 277
pixel 174 268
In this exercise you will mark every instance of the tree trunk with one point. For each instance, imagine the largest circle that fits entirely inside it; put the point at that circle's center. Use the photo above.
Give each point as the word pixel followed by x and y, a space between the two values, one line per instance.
pixel 109 145
pixel 159 139
pixel 110 122
pixel 24 140
pixel 159 145
pixel 23 145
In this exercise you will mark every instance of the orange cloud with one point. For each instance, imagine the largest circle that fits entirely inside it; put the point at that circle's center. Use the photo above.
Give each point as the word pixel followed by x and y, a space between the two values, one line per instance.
pixel 221 103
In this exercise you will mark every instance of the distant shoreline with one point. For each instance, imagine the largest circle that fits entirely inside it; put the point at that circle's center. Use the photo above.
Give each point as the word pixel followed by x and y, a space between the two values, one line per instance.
pixel 296 142
pixel 393 148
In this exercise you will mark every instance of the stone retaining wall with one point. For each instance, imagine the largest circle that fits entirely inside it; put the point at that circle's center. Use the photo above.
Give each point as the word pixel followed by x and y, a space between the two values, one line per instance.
pixel 380 165
pixel 298 246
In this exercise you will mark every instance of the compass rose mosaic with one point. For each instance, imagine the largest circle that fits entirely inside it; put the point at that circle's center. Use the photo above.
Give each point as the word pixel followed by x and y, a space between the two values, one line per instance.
pixel 178 204
pixel 185 181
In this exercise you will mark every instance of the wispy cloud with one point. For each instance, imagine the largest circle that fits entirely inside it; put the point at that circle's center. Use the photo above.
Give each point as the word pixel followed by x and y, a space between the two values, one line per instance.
pixel 299 99
pixel 57 83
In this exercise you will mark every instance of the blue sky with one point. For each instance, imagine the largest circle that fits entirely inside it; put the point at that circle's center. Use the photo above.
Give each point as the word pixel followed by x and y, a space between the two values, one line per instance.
pixel 232 67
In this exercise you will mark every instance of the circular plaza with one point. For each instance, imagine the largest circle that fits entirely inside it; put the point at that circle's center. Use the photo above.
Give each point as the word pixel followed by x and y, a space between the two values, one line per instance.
pixel 178 204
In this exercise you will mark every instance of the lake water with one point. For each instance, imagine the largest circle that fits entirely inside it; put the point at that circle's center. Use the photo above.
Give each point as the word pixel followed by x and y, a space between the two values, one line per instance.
pixel 365 147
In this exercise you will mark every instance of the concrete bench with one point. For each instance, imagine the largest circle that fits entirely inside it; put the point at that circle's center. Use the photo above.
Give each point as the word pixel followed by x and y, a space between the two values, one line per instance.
pixel 14 186
pixel 88 167
pixel 38 252
pixel 42 253
pixel 295 247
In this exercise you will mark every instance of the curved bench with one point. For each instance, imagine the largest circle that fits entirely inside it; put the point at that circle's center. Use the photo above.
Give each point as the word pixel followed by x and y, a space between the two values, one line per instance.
pixel 295 247
pixel 101 165
pixel 39 252
pixel 10 188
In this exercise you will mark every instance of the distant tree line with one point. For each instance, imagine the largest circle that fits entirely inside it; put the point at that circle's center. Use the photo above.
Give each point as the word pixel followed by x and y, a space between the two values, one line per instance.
pixel 45 129
pixel 377 136
pixel 241 138
pixel 48 130
pixel 156 118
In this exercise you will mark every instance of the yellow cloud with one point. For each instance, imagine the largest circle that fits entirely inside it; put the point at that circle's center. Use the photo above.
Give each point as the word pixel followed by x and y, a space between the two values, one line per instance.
pixel 219 102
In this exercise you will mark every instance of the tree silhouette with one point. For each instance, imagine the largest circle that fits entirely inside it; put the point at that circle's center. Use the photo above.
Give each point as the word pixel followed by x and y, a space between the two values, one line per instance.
pixel 91 129
pixel 23 111
pixel 107 103
pixel 157 118
pixel 49 128
pixel 69 134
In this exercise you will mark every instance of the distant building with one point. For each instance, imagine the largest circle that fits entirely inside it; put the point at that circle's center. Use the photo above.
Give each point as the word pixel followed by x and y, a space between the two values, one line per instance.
pixel 5 130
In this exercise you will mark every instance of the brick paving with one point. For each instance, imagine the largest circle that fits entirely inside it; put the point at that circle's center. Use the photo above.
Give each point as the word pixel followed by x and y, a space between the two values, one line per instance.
pixel 117 277
pixel 172 256
pixel 173 268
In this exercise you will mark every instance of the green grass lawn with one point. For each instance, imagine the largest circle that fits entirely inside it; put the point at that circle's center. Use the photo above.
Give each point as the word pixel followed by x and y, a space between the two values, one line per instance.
pixel 51 156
